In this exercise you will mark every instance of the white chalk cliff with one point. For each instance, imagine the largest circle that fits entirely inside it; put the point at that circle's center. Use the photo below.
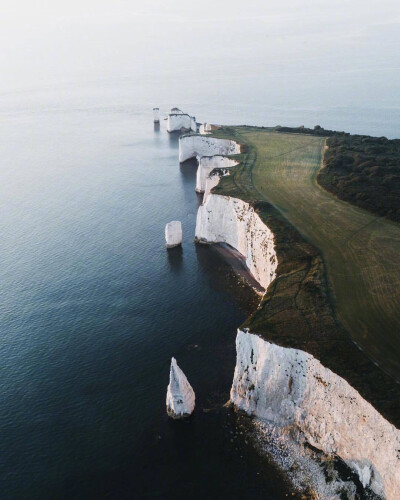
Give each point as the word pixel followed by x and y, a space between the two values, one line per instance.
pixel 208 128
pixel 289 389
pixel 294 392
pixel 223 219
pixel 212 180
pixel 207 164
pixel 177 121
pixel 191 146
pixel 205 128
pixel 180 395
pixel 173 234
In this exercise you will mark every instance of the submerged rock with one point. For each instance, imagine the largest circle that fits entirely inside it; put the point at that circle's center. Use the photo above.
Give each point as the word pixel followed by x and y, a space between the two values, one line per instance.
pixel 173 234
pixel 180 395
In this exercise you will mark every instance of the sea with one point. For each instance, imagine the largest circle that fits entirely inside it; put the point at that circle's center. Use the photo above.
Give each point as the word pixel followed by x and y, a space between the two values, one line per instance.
pixel 93 306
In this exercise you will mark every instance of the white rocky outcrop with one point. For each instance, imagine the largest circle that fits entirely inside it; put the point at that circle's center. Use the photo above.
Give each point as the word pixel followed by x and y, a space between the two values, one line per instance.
pixel 180 395
pixel 156 115
pixel 212 180
pixel 205 128
pixel 178 120
pixel 223 219
pixel 207 164
pixel 294 392
pixel 173 234
pixel 191 146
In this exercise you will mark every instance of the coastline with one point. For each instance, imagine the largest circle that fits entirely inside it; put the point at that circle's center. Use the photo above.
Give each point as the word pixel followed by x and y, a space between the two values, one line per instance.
pixel 310 268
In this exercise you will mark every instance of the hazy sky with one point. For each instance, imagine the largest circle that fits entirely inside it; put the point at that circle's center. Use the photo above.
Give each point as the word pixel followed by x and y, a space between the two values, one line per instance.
pixel 352 46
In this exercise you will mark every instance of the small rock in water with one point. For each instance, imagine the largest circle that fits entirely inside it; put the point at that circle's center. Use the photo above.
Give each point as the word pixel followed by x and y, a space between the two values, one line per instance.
pixel 156 115
pixel 173 234
pixel 180 395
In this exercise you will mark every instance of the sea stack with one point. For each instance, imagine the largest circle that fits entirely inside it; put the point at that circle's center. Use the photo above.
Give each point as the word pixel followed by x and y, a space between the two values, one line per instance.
pixel 173 234
pixel 180 395
pixel 178 121
pixel 156 115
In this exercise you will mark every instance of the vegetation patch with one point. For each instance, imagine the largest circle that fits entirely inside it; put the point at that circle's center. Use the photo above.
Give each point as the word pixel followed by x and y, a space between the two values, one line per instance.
pixel 364 171
pixel 360 169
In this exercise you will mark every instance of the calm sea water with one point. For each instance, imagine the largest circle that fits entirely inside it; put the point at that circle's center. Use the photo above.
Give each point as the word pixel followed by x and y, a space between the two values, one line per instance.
pixel 93 306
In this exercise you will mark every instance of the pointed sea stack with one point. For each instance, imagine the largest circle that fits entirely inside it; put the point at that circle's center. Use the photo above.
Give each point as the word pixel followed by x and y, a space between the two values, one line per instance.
pixel 180 395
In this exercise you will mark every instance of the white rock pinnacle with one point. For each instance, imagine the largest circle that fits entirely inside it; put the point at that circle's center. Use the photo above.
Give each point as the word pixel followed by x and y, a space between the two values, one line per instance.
pixel 180 395
pixel 156 115
pixel 173 233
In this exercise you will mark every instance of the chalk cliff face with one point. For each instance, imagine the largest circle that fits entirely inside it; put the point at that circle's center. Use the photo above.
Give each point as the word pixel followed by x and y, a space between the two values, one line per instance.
pixel 290 389
pixel 207 164
pixel 223 219
pixel 212 180
pixel 180 395
pixel 177 121
pixel 290 393
pixel 191 146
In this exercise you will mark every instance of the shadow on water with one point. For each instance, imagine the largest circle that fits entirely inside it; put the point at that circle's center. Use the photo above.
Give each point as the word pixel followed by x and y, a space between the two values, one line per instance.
pixel 175 259
pixel 174 138
pixel 188 171
pixel 222 277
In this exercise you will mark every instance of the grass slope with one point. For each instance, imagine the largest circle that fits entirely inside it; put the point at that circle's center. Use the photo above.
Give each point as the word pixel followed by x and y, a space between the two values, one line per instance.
pixel 361 253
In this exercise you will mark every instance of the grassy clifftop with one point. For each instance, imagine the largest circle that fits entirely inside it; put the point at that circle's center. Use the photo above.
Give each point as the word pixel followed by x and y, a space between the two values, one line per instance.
pixel 277 176
pixel 360 169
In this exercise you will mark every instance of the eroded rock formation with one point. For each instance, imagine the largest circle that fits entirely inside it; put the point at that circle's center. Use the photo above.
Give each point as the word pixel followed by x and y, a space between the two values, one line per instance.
pixel 173 234
pixel 223 219
pixel 191 146
pixel 207 164
pixel 180 395
pixel 179 121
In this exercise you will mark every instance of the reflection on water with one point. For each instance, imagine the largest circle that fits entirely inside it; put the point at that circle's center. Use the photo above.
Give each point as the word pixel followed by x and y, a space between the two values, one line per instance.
pixel 175 258
pixel 174 138
pixel 219 269
pixel 188 171
pixel 156 126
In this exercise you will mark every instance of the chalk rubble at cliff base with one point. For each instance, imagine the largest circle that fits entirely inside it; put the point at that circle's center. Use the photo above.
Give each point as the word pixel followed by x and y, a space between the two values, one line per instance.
pixel 292 391
pixel 180 395
pixel 173 234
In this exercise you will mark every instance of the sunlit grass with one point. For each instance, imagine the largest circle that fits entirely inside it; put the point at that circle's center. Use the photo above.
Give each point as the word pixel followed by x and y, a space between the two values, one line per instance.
pixel 361 251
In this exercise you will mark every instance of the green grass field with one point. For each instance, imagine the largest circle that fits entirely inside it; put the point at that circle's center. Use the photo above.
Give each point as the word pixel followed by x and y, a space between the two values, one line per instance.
pixel 361 251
